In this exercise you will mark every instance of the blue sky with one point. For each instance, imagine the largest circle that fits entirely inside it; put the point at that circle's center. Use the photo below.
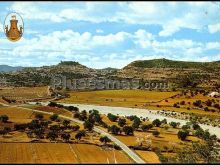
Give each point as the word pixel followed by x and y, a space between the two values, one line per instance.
pixel 111 34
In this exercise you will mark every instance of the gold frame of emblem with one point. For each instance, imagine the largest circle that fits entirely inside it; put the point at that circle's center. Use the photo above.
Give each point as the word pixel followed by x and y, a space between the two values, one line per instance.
pixel 22 24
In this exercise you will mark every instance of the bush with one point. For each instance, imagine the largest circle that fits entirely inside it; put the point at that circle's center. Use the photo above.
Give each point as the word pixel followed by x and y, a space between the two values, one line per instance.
pixel 185 127
pixel 88 125
pixel 182 134
pixel 4 118
pixel 54 117
pixel 128 130
pixel 52 104
pixel 121 122
pixel 80 134
pixel 39 116
pixel 173 124
pixel 114 129
pixel 156 133
pixel 146 127
pixel 112 117
pixel 136 123
pixel 104 139
pixel 182 103
pixel 156 122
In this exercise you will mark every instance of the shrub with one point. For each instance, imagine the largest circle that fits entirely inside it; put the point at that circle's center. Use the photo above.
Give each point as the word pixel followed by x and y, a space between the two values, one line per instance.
pixel 146 127
pixel 173 124
pixel 156 133
pixel 88 125
pixel 39 116
pixel 104 139
pixel 156 122
pixel 121 122
pixel 54 117
pixel 112 117
pixel 128 130
pixel 114 129
pixel 182 134
pixel 4 118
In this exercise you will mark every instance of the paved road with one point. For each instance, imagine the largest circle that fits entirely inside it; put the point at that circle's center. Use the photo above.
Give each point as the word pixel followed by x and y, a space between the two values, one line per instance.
pixel 127 150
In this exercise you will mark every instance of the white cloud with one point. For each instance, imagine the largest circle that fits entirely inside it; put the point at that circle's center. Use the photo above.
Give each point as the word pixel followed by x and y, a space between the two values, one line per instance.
pixel 213 45
pixel 170 15
pixel 214 28
pixel 99 31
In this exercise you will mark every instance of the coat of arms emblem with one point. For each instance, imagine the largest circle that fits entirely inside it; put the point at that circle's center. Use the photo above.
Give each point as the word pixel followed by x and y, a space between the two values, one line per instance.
pixel 14 27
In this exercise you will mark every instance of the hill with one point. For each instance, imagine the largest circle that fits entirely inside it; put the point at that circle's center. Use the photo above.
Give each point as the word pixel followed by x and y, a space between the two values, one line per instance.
pixel 165 63
pixel 6 68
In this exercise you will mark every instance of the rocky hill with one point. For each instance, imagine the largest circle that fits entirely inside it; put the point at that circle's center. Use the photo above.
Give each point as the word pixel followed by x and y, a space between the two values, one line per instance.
pixel 181 73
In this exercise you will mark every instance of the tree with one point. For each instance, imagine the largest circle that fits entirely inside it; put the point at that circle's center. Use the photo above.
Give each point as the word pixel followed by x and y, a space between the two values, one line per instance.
pixel 65 137
pixel 52 104
pixel 88 125
pixel 80 134
pixel 39 116
pixel 156 122
pixel 164 121
pixel 105 139
pixel 54 117
pixel 185 127
pixel 121 122
pixel 7 130
pixel 94 116
pixel 156 133
pixel 66 123
pixel 146 127
pixel 128 130
pixel 196 126
pixel 199 132
pixel 114 129
pixel 182 134
pixel 136 123
pixel 4 118
pixel 112 117
pixel 52 135
pixel 173 124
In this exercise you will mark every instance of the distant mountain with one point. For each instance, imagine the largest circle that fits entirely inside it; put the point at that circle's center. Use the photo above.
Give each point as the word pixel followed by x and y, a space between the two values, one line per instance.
pixel 6 68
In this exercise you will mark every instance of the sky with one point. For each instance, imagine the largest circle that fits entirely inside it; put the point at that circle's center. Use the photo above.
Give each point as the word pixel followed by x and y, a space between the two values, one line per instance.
pixel 111 34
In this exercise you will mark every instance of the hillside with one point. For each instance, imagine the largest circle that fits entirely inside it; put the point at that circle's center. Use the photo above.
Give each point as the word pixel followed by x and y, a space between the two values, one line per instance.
pixel 165 63
pixel 181 73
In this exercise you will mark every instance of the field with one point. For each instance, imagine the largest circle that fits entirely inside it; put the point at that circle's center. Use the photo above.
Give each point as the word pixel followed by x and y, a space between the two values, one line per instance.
pixel 24 93
pixel 154 100
pixel 16 146
pixel 58 153
pixel 124 98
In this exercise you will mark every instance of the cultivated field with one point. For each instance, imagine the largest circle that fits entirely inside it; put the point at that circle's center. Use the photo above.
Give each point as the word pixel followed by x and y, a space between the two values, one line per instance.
pixel 125 98
pixel 24 93
pixel 58 153
pixel 154 100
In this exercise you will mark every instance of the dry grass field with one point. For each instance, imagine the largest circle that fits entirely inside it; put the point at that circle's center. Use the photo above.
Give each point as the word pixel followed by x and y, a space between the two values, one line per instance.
pixel 154 100
pixel 148 154
pixel 24 93
pixel 58 153
pixel 16 114
pixel 125 98
pixel 16 147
